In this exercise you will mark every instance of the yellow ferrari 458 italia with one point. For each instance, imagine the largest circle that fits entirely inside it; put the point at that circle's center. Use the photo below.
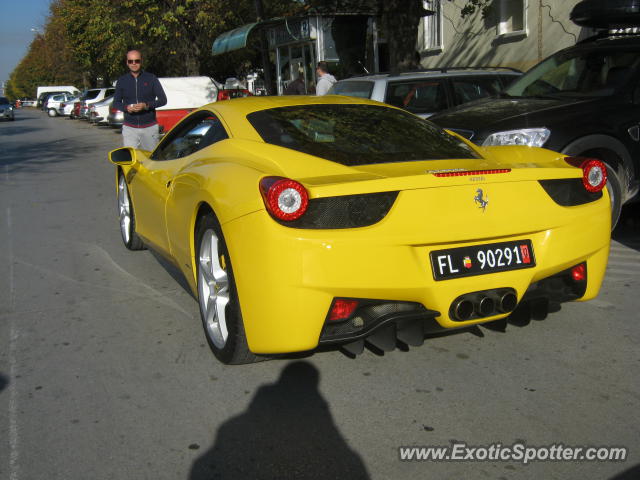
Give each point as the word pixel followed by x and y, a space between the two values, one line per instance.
pixel 306 221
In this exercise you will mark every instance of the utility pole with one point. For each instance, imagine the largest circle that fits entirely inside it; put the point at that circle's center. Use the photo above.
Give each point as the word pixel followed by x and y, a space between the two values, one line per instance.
pixel 264 49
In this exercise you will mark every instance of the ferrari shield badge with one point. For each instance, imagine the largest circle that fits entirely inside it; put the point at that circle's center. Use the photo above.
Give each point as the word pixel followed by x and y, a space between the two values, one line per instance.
pixel 481 199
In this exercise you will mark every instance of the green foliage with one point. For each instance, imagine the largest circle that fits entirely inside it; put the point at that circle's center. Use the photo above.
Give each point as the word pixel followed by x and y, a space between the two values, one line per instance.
pixel 472 6
pixel 87 39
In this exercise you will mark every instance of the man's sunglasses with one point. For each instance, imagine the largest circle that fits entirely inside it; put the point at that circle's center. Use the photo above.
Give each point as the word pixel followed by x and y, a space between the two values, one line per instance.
pixel 135 60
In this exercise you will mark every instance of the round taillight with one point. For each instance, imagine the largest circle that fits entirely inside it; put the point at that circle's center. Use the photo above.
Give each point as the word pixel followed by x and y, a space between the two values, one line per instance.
pixel 594 175
pixel 594 172
pixel 284 198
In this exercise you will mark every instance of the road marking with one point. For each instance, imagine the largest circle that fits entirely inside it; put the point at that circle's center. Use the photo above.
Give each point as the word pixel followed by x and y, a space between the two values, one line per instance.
pixel 13 339
pixel 13 404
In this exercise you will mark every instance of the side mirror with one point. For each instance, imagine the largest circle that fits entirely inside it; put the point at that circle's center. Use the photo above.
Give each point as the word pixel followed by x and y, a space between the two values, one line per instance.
pixel 122 156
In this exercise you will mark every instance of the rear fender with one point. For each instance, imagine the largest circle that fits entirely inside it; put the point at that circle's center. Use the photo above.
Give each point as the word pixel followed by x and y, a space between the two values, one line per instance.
pixel 204 186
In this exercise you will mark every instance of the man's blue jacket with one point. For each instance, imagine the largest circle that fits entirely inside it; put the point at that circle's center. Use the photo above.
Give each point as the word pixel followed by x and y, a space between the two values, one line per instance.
pixel 143 88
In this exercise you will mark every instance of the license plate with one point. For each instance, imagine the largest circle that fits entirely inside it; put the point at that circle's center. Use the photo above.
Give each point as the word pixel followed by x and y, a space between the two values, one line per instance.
pixel 482 259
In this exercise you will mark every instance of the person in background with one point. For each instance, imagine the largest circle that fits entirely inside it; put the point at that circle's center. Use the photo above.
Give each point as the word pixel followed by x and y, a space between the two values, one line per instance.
pixel 325 79
pixel 138 94
pixel 296 87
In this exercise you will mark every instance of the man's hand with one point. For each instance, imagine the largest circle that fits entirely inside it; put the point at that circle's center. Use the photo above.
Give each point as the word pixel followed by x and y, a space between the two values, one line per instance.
pixel 136 107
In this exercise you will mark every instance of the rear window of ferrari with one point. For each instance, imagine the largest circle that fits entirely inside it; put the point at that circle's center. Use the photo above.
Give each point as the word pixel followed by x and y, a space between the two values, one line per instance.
pixel 357 134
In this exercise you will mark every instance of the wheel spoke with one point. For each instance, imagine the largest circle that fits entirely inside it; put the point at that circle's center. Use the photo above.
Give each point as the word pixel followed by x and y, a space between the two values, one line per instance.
pixel 213 289
pixel 124 210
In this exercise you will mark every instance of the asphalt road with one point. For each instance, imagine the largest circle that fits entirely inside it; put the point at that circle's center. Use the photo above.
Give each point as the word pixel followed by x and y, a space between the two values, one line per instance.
pixel 105 372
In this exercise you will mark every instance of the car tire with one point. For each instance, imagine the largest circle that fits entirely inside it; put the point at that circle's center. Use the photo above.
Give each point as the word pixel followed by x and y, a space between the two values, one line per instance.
pixel 52 112
pixel 615 194
pixel 217 296
pixel 127 218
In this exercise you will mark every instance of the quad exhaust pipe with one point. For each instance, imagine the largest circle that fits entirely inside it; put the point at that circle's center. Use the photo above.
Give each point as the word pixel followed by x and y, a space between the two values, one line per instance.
pixel 482 304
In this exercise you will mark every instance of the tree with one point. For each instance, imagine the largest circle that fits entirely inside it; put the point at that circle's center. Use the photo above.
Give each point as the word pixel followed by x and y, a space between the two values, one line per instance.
pixel 49 60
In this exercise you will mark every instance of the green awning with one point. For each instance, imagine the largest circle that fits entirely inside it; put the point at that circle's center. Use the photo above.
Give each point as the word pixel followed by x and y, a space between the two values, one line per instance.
pixel 233 39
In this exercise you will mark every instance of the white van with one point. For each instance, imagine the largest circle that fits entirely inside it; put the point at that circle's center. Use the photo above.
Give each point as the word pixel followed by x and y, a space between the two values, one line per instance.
pixel 184 94
pixel 64 88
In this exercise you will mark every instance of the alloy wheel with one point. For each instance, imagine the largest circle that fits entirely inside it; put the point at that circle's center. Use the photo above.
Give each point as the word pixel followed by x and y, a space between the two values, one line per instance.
pixel 124 210
pixel 213 285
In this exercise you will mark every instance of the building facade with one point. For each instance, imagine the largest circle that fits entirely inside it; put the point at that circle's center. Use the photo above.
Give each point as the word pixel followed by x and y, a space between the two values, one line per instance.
pixel 512 33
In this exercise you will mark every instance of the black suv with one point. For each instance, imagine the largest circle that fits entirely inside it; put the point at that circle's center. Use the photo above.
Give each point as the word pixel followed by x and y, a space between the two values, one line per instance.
pixel 582 101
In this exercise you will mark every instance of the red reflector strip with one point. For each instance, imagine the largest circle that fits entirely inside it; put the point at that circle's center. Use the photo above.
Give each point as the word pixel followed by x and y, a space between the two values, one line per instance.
pixel 472 172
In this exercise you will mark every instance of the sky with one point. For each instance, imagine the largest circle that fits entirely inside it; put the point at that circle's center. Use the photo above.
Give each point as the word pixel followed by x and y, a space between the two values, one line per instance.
pixel 19 17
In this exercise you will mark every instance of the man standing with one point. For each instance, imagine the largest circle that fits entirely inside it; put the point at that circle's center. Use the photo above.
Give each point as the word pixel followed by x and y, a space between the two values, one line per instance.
pixel 138 94
pixel 325 79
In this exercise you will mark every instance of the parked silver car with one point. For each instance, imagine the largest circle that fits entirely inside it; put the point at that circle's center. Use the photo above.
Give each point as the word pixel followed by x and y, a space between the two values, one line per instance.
pixel 428 91
pixel 92 96
pixel 6 109
pixel 99 111
pixel 66 107
pixel 115 119
pixel 54 101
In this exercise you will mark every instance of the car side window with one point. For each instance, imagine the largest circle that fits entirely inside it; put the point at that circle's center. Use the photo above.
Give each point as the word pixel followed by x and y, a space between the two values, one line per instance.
pixel 418 96
pixel 194 134
pixel 471 88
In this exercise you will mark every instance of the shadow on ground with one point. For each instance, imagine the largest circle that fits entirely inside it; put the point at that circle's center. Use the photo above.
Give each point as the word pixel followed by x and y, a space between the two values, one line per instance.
pixel 627 231
pixel 287 432
pixel 632 473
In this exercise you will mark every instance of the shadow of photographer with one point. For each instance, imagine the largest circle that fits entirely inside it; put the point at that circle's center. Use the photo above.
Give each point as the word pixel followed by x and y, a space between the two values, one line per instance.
pixel 287 432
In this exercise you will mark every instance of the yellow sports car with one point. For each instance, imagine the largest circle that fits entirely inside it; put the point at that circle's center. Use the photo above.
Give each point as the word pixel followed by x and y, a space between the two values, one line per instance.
pixel 303 221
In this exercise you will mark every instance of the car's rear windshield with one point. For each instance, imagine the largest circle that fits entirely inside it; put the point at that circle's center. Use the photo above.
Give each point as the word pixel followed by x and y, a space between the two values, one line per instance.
pixel 357 134
pixel 353 88
pixel 91 94
pixel 4 101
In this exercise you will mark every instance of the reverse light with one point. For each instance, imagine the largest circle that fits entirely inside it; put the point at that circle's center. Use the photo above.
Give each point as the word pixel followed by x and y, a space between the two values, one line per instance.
pixel 530 137
pixel 341 309
pixel 594 172
pixel 579 272
pixel 284 198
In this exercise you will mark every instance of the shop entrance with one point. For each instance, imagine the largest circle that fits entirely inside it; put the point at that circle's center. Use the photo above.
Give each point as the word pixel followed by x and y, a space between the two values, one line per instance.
pixel 295 60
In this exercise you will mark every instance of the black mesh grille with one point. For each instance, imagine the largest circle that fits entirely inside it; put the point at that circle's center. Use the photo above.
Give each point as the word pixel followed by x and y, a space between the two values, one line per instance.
pixel 348 211
pixel 569 192
pixel 368 316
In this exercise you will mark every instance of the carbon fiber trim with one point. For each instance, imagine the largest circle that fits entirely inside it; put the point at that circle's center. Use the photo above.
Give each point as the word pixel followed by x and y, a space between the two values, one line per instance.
pixel 348 211
pixel 569 192
pixel 371 316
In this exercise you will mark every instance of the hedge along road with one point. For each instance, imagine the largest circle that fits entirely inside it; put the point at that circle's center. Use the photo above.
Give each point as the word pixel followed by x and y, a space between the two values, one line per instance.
pixel 105 372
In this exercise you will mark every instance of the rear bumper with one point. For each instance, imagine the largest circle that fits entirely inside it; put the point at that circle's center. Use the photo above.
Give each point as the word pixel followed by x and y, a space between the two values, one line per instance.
pixel 287 278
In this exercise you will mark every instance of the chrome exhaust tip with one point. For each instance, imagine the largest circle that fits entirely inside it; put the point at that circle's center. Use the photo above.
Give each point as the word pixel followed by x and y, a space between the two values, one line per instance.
pixel 463 310
pixel 485 306
pixel 508 302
